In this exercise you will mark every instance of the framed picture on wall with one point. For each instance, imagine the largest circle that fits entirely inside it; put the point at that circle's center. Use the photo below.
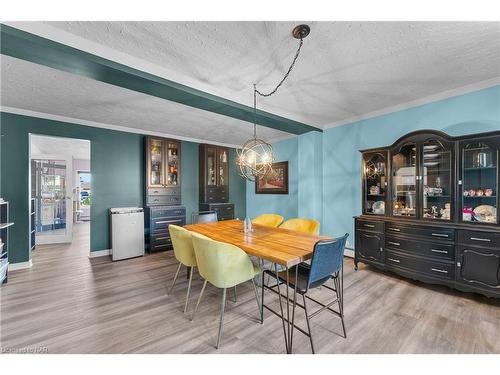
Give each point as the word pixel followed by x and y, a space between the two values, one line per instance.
pixel 274 182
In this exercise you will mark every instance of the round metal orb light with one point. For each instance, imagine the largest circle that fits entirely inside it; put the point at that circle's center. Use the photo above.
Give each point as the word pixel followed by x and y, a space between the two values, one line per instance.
pixel 255 158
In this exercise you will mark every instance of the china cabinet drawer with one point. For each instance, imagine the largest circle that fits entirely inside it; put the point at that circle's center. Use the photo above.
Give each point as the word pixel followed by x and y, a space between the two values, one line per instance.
pixel 168 212
pixel 164 191
pixel 477 238
pixel 160 247
pixel 436 269
pixel 161 239
pixel 163 200
pixel 420 248
pixel 371 225
pixel 429 233
pixel 160 225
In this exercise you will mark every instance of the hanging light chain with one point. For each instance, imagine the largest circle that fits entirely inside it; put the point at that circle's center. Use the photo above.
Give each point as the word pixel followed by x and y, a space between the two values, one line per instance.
pixel 284 78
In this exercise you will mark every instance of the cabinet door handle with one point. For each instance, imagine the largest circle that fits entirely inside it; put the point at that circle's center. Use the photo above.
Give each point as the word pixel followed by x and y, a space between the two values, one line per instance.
pixel 439 251
pixel 395 229
pixel 369 225
pixel 438 270
pixel 394 260
pixel 395 243
pixel 480 239
pixel 440 235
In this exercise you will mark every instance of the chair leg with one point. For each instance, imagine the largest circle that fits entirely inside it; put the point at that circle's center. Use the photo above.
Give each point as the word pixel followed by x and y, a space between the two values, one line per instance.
pixel 221 323
pixel 189 288
pixel 199 299
pixel 175 278
pixel 308 324
pixel 340 303
pixel 234 294
pixel 257 299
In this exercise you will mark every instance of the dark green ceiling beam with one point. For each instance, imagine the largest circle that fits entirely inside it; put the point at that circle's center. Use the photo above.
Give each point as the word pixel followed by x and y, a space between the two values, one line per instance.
pixel 33 48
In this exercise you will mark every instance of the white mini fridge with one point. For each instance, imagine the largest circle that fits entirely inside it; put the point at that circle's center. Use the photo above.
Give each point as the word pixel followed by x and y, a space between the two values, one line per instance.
pixel 127 232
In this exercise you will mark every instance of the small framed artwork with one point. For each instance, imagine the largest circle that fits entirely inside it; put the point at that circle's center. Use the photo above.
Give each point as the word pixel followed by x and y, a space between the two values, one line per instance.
pixel 274 182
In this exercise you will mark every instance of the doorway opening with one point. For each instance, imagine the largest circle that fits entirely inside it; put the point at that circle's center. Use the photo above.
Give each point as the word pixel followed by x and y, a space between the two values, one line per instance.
pixel 60 190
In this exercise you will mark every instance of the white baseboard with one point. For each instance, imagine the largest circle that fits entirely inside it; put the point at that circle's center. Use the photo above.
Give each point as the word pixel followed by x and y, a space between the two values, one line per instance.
pixel 20 265
pixel 100 253
pixel 349 252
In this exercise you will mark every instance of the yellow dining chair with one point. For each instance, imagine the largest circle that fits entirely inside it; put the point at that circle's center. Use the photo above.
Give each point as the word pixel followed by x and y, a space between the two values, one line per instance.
pixel 224 266
pixel 184 253
pixel 302 225
pixel 269 220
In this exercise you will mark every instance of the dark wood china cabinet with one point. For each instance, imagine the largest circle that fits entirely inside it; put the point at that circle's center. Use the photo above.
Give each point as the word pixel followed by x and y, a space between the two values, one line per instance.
pixel 162 191
pixel 430 210
pixel 214 181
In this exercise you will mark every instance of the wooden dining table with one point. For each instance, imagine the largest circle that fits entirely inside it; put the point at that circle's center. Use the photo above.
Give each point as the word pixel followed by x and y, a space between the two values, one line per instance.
pixel 283 247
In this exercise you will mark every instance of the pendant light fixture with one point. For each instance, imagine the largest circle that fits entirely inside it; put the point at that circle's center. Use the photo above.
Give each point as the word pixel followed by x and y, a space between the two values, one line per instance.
pixel 255 158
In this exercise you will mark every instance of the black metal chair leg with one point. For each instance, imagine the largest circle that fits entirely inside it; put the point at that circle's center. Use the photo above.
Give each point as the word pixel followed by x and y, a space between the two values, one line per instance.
pixel 308 323
pixel 339 293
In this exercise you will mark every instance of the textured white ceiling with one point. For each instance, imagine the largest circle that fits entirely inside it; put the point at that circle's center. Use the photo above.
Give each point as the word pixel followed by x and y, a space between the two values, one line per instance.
pixel 77 148
pixel 39 88
pixel 346 68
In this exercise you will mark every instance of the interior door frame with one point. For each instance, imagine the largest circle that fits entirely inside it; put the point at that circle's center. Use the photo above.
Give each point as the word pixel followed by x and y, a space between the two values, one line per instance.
pixel 68 236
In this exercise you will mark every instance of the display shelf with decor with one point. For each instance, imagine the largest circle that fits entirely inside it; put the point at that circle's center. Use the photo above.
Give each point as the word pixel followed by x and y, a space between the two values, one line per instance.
pixel 214 181
pixel 162 191
pixel 4 241
pixel 442 225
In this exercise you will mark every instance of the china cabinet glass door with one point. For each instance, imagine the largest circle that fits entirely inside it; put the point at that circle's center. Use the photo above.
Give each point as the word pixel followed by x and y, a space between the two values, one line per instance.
pixel 156 162
pixel 211 166
pixel 404 181
pixel 172 160
pixel 479 183
pixel 437 179
pixel 375 183
pixel 223 166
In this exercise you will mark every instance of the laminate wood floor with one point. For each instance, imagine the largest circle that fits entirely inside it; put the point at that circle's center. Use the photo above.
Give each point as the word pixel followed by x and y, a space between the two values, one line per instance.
pixel 69 303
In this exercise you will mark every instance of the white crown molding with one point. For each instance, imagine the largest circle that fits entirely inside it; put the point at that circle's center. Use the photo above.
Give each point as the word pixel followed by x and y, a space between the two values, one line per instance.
pixel 20 265
pixel 77 121
pixel 418 102
pixel 100 253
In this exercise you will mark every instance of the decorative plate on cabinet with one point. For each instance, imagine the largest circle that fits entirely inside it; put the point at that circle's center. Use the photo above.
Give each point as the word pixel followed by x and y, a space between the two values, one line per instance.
pixel 486 213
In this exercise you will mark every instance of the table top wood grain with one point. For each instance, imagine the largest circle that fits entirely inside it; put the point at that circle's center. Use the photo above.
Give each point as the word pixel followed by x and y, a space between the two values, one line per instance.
pixel 282 246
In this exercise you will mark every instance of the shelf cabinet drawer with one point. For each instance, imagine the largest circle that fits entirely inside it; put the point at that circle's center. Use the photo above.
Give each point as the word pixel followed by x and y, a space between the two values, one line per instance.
pixel 160 225
pixel 425 232
pixel 161 239
pixel 168 212
pixel 478 238
pixel 436 269
pixel 421 248
pixel 370 225
pixel 163 200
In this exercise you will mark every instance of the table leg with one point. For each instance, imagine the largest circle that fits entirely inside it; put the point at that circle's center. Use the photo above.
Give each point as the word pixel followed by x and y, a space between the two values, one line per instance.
pixel 281 305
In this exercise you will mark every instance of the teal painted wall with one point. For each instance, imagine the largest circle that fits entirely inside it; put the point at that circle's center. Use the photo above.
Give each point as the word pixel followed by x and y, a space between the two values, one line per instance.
pixel 285 205
pixel 117 164
pixel 340 161
pixel 237 187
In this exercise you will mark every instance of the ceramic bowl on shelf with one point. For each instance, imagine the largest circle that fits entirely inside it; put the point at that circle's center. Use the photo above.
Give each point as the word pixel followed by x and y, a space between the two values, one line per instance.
pixel 378 207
